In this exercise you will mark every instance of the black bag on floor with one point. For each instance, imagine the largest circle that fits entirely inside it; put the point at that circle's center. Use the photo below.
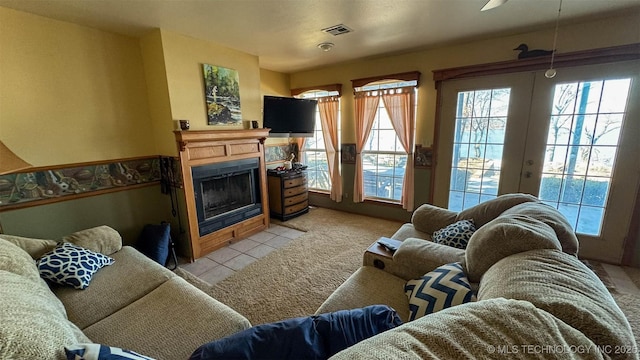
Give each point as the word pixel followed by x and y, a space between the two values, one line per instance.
pixel 156 243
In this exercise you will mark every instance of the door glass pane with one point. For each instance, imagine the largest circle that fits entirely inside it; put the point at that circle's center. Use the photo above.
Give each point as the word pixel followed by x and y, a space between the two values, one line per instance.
pixel 581 148
pixel 481 119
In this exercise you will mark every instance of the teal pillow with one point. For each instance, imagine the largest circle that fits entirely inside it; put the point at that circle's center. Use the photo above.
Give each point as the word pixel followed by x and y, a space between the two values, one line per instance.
pixel 71 265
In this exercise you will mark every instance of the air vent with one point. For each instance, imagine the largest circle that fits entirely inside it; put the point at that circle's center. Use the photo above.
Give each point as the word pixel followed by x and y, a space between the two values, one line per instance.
pixel 337 30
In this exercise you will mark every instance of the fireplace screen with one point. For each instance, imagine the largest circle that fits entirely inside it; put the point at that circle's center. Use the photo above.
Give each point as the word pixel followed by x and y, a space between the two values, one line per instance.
pixel 226 193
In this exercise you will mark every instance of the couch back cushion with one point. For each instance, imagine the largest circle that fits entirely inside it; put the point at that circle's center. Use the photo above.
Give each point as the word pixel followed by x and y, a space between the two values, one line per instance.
pixel 102 239
pixel 504 236
pixel 35 247
pixel 563 286
pixel 553 218
pixel 491 329
pixel 34 321
pixel 491 209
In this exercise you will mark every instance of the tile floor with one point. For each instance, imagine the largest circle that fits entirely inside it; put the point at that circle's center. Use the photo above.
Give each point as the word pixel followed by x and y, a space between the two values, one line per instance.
pixel 223 262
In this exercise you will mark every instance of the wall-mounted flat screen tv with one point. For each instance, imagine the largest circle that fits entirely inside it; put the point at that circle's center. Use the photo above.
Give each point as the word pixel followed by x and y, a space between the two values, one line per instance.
pixel 289 117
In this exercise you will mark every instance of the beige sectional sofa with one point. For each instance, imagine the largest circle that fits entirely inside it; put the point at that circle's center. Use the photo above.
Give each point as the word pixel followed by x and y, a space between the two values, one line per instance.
pixel 134 304
pixel 535 298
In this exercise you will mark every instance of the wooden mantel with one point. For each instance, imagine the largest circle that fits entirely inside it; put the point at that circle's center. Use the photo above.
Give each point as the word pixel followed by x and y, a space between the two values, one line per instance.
pixel 203 147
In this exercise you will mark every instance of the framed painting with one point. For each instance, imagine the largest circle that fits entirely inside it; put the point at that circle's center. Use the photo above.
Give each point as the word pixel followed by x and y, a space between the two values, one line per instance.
pixel 222 94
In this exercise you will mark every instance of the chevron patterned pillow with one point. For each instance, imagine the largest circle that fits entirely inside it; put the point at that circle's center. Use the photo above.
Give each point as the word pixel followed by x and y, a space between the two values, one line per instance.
pixel 439 289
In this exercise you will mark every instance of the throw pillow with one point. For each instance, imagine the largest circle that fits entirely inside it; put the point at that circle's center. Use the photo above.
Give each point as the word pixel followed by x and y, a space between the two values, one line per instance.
pixel 101 352
pixel 456 235
pixel 72 265
pixel 439 289
pixel 154 242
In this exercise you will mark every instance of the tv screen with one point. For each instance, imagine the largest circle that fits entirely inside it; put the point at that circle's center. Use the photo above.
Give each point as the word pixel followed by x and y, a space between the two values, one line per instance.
pixel 289 117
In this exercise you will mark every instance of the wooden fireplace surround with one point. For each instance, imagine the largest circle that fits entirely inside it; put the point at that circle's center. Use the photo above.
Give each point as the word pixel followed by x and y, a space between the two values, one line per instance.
pixel 203 147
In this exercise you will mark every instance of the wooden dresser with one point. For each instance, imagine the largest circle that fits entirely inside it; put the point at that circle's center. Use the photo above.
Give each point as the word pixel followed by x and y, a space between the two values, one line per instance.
pixel 288 194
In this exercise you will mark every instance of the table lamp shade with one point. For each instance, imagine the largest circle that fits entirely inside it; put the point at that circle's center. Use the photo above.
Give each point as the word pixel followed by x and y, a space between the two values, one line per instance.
pixel 10 162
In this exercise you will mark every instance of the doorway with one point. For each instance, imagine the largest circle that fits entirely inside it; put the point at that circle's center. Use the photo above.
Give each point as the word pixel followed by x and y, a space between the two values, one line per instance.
pixel 571 140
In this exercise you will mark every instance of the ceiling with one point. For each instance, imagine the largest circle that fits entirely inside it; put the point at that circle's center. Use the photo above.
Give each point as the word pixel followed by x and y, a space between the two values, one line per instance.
pixel 284 34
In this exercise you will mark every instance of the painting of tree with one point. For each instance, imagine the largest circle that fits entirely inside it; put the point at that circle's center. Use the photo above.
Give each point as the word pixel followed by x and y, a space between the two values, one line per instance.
pixel 222 94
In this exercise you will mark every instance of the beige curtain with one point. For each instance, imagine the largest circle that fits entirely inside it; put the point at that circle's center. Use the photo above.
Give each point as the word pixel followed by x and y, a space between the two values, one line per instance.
pixel 300 142
pixel 400 105
pixel 329 108
pixel 366 104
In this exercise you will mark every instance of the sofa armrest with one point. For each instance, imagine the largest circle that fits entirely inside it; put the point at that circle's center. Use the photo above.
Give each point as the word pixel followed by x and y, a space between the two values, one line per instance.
pixel 418 256
pixel 102 239
pixel 428 218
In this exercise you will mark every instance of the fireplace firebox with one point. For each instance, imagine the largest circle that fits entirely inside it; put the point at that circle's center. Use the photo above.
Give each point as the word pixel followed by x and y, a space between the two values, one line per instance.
pixel 226 193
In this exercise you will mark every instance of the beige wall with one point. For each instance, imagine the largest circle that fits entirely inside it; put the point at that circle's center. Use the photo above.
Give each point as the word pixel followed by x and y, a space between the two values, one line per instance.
pixel 69 93
pixel 595 34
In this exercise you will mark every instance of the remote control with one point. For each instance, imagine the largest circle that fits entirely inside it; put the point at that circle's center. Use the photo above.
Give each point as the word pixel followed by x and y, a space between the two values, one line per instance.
pixel 384 242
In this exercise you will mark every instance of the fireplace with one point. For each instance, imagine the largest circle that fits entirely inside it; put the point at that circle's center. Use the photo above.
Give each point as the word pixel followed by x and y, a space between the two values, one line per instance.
pixel 225 186
pixel 226 193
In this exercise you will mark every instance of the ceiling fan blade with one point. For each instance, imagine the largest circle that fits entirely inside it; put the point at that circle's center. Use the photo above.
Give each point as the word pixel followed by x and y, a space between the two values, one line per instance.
pixel 492 4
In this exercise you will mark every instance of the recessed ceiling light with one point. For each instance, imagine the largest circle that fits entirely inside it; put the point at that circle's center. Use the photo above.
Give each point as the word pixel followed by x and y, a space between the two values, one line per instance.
pixel 326 46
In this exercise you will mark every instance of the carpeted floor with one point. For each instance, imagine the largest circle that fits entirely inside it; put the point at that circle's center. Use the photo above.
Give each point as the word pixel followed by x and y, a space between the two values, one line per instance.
pixel 296 279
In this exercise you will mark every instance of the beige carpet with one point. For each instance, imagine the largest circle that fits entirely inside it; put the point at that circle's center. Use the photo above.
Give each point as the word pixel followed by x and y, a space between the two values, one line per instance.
pixel 295 280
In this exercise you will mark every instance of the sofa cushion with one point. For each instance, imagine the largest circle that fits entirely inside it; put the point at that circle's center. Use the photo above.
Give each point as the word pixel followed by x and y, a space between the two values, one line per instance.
pixel 491 209
pixel 504 236
pixel 409 231
pixel 563 286
pixel 71 265
pixel 101 352
pixel 131 277
pixel 444 287
pixel 34 323
pixel 307 337
pixel 456 235
pixel 552 217
pixel 102 239
pixel 428 218
pixel 15 260
pixel 174 307
pixel 416 257
pixel 491 329
pixel 35 247
pixel 368 286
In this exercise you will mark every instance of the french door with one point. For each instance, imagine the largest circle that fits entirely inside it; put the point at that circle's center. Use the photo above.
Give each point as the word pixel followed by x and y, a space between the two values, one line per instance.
pixel 572 140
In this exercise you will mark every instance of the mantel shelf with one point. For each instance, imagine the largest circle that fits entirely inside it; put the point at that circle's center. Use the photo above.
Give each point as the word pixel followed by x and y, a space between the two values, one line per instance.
pixel 184 138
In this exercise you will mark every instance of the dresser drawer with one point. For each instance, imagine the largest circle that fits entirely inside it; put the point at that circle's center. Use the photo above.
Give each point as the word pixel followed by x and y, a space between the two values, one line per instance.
pixel 288 183
pixel 295 191
pixel 295 199
pixel 295 208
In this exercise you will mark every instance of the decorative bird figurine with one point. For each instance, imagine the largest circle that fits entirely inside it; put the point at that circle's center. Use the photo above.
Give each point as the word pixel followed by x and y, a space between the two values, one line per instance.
pixel 525 53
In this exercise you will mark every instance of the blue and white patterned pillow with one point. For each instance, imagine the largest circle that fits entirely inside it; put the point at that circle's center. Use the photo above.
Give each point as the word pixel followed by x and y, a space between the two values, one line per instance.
pixel 101 352
pixel 439 289
pixel 456 235
pixel 72 265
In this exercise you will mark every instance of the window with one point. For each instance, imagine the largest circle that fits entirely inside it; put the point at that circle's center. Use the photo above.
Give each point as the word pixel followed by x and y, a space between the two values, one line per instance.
pixel 384 159
pixel 314 153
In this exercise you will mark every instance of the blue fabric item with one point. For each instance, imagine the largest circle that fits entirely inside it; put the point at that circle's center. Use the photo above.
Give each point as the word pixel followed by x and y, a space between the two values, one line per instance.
pixel 312 337
pixel 101 352
pixel 71 265
pixel 154 242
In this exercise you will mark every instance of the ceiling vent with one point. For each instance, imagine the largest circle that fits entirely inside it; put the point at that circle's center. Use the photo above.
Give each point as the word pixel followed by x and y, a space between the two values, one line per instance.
pixel 337 30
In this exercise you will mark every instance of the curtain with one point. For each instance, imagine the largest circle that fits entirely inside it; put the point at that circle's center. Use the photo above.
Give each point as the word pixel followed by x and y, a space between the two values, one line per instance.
pixel 400 105
pixel 329 108
pixel 300 142
pixel 366 106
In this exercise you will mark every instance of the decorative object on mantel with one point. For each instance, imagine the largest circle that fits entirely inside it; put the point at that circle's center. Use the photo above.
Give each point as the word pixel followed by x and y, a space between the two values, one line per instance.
pixel 222 93
pixel 525 53
pixel 423 157
pixel 48 184
pixel 10 162
pixel 184 124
